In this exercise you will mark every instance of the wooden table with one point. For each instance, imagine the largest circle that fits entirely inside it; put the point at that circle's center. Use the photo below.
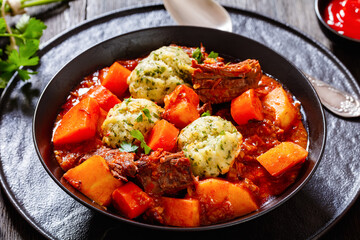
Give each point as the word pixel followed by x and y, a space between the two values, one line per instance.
pixel 299 14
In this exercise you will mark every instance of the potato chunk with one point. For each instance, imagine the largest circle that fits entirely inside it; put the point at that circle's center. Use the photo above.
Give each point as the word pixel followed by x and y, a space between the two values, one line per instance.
pixel 181 212
pixel 224 200
pixel 282 157
pixel 285 112
pixel 93 179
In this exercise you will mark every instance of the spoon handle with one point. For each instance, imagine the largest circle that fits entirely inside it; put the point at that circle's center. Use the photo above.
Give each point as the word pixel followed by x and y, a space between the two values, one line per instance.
pixel 339 102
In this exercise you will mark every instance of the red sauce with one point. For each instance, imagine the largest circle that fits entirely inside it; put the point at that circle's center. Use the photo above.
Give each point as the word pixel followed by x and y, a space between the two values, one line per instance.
pixel 344 17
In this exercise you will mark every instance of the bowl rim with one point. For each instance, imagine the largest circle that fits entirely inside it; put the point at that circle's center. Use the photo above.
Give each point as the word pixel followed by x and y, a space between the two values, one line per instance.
pixel 320 18
pixel 229 223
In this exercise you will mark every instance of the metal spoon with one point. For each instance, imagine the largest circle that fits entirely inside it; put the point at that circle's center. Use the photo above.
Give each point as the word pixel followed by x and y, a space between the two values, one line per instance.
pixel 199 13
pixel 208 13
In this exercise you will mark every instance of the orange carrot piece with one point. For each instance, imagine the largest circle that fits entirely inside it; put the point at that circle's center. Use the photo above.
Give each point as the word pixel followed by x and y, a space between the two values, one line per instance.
pixel 182 92
pixel 282 157
pixel 102 117
pixel 94 179
pixel 116 79
pixel 181 106
pixel 182 114
pixel 163 135
pixel 79 123
pixel 181 212
pixel 246 107
pixel 130 200
pixel 104 97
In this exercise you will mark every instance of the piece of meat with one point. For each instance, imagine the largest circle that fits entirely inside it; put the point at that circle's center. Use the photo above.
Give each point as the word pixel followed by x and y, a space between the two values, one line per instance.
pixel 163 172
pixel 217 82
pixel 121 164
pixel 71 155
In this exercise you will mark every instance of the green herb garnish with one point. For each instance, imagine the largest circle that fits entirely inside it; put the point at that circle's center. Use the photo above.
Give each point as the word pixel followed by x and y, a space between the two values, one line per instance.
pixel 23 40
pixel 127 100
pixel 213 55
pixel 21 52
pixel 138 135
pixel 207 113
pixel 139 118
pixel 147 114
pixel 197 55
pixel 127 147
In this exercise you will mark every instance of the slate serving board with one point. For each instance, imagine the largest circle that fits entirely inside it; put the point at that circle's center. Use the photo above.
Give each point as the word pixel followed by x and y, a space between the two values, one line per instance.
pixel 324 199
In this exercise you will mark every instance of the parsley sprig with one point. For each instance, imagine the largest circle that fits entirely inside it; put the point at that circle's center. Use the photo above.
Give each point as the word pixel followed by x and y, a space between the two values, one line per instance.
pixel 138 135
pixel 127 147
pixel 24 40
pixel 199 57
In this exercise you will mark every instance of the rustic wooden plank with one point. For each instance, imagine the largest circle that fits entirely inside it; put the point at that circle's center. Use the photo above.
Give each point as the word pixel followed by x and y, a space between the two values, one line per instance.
pixel 73 13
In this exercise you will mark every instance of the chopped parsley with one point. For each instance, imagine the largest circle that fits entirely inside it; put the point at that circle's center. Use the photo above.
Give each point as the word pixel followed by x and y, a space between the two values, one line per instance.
pixel 207 113
pixel 138 135
pixel 147 114
pixel 139 118
pixel 127 147
pixel 197 55
pixel 213 55
pixel 127 100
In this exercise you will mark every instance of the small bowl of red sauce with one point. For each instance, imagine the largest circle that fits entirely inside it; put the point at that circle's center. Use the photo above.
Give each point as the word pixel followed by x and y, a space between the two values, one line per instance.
pixel 340 20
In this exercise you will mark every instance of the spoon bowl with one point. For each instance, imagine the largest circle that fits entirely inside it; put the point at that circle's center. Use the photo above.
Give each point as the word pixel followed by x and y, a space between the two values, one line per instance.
pixel 203 13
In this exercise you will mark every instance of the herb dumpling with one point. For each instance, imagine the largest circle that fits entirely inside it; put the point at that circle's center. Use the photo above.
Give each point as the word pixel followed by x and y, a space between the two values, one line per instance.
pixel 131 114
pixel 212 144
pixel 158 74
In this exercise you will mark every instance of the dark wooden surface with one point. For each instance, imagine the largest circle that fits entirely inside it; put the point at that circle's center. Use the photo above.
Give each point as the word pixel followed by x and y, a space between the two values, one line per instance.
pixel 299 14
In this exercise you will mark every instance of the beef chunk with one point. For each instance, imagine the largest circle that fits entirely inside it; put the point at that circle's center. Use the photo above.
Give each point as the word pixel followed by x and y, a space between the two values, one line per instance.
pixel 218 82
pixel 71 155
pixel 163 172
pixel 121 164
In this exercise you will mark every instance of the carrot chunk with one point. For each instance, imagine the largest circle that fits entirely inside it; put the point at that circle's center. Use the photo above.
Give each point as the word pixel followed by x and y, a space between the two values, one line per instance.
pixel 130 200
pixel 104 97
pixel 116 79
pixel 246 107
pixel 181 212
pixel 102 117
pixel 181 106
pixel 282 157
pixel 163 135
pixel 94 179
pixel 79 123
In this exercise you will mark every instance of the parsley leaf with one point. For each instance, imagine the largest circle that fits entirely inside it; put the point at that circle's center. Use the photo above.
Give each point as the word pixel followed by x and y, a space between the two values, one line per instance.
pixel 197 55
pixel 139 118
pixel 127 147
pixel 147 114
pixel 138 135
pixel 2 26
pixel 207 113
pixel 213 55
pixel 127 100
pixel 26 33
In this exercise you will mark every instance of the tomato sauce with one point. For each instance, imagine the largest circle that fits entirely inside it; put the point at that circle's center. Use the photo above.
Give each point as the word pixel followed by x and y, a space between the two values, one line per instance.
pixel 344 17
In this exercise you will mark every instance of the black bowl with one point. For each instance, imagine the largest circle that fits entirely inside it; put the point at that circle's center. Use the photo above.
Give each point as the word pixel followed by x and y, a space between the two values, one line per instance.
pixel 333 35
pixel 138 43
